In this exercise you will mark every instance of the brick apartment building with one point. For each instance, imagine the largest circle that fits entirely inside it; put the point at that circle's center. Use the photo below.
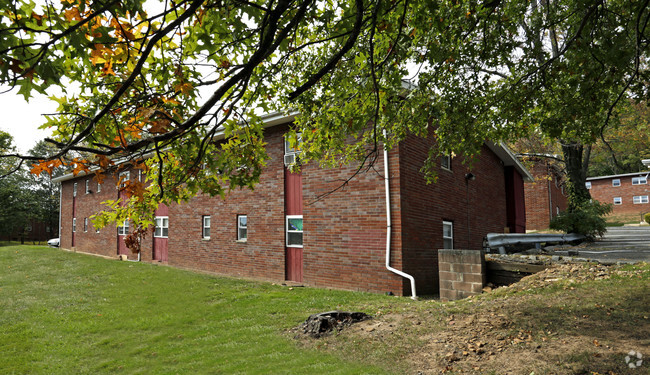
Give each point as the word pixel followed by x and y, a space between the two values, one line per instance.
pixel 627 192
pixel 545 196
pixel 282 231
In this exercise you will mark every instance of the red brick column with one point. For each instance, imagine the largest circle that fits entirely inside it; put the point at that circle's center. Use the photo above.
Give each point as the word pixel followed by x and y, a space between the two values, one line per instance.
pixel 462 273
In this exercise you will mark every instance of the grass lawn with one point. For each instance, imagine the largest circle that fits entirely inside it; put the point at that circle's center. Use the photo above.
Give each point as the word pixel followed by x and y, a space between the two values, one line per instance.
pixel 67 313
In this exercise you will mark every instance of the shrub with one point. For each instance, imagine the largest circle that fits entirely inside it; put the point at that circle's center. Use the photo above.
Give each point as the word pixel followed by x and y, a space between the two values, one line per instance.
pixel 587 219
pixel 647 218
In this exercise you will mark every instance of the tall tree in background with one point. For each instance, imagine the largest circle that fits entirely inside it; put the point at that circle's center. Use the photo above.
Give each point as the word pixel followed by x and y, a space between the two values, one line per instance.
pixel 479 70
pixel 17 202
pixel 625 143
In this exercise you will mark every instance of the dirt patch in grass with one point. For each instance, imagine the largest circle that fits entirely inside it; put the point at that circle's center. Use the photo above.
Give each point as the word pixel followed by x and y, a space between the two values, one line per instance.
pixel 569 319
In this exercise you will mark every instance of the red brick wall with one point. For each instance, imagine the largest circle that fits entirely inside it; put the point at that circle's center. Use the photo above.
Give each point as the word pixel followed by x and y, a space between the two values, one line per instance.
pixel 344 232
pixel 424 207
pixel 603 191
pixel 538 207
pixel 102 243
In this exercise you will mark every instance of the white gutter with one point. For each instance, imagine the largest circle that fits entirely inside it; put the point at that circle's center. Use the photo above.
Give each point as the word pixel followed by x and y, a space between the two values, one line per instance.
pixel 389 227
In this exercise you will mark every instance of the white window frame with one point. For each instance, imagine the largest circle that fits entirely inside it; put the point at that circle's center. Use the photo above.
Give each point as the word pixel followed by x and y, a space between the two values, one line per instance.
pixel 162 223
pixel 618 201
pixel 123 230
pixel 87 186
pixel 205 225
pixel 588 185
pixel 445 162
pixel 74 224
pixel 122 178
pixel 640 199
pixel 85 224
pixel 99 187
pixel 74 189
pixel 616 182
pixel 241 238
pixel 288 150
pixel 447 238
pixel 287 230
pixel 641 180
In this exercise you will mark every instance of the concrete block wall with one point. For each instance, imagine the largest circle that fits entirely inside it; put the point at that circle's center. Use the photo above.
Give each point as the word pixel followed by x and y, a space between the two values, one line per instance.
pixel 462 273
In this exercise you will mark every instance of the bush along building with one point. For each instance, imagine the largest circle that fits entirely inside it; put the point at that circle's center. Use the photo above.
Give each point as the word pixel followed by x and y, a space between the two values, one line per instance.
pixel 545 196
pixel 627 192
pixel 373 234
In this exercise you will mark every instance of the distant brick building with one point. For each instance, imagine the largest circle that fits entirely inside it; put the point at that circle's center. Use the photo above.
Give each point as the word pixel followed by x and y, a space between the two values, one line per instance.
pixel 627 192
pixel 545 197
pixel 283 231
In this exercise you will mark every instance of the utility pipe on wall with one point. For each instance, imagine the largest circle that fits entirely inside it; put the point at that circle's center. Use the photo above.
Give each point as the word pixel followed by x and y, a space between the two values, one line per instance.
pixel 389 227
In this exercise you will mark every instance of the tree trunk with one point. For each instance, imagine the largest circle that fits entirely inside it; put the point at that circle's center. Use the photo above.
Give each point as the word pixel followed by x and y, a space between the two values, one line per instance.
pixel 576 172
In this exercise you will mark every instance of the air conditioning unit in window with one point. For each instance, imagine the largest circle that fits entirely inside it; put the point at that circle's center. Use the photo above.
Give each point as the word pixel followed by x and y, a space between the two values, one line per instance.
pixel 290 159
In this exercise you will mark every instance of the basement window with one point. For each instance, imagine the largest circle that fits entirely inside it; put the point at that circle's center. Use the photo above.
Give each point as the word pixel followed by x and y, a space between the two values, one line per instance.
pixel 447 235
pixel 640 199
pixel 162 227
pixel 618 200
pixel 616 182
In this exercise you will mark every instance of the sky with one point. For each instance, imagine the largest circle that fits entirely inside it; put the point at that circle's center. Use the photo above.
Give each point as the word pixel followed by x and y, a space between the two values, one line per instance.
pixel 21 119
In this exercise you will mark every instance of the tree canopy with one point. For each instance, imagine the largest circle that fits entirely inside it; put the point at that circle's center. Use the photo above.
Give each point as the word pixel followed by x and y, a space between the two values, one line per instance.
pixel 170 79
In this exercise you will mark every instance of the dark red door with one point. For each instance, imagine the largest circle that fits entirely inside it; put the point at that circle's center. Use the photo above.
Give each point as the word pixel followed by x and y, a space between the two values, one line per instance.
pixel 293 207
pixel 160 242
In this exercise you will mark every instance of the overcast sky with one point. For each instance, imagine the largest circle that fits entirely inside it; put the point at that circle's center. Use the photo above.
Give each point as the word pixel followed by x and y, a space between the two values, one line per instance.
pixel 21 119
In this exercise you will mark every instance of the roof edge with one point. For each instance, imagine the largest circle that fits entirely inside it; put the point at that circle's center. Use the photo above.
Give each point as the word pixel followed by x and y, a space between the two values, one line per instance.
pixel 509 159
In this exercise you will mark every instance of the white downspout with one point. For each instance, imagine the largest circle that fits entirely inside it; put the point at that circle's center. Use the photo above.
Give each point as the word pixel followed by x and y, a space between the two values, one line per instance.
pixel 389 227
pixel 60 209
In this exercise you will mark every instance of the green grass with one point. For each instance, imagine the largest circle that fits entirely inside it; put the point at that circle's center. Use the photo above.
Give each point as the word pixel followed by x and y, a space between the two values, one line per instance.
pixel 65 313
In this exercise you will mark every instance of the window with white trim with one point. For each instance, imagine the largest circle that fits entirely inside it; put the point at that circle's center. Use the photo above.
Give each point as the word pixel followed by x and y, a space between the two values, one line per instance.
pixel 640 199
pixel 616 182
pixel 206 227
pixel 87 186
pixel 447 235
pixel 242 228
pixel 588 185
pixel 618 200
pixel 639 180
pixel 291 152
pixel 74 224
pixel 445 162
pixel 74 189
pixel 123 177
pixel 123 229
pixel 294 230
pixel 85 224
pixel 99 187
pixel 162 227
